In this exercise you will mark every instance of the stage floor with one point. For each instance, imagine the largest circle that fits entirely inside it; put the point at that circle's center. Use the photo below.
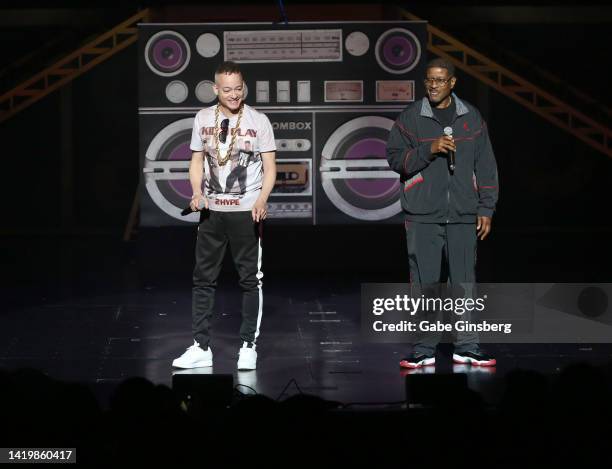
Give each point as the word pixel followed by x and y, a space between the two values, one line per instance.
pixel 309 333
pixel 100 313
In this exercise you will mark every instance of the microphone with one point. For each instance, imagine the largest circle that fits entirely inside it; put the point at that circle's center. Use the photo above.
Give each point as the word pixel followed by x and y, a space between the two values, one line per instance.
pixel 187 210
pixel 448 131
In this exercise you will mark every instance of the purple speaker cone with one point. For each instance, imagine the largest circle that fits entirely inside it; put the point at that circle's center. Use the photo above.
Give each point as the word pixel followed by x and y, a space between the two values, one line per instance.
pixel 373 188
pixel 181 152
pixel 168 54
pixel 399 51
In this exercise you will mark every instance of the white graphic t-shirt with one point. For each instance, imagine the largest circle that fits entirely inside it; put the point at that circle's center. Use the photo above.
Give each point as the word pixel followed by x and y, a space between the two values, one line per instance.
pixel 236 185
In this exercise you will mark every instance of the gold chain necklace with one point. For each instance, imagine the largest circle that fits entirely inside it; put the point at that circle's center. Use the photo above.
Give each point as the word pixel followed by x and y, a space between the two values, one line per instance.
pixel 221 160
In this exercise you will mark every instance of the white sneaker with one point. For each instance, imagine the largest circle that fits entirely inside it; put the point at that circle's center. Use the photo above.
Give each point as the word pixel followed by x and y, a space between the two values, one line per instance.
pixel 247 359
pixel 194 357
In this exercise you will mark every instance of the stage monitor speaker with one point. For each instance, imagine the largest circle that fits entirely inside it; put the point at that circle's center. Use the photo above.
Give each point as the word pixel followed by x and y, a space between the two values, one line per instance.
pixel 435 389
pixel 203 392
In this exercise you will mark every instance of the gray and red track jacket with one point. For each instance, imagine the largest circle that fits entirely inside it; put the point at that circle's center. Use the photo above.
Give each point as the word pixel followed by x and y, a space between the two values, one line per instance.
pixel 430 193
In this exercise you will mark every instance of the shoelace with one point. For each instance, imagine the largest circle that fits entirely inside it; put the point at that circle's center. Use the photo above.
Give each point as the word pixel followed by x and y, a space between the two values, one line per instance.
pixel 193 347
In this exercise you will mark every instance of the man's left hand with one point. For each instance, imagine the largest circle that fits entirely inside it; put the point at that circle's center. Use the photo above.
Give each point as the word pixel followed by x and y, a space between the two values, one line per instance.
pixel 483 227
pixel 259 211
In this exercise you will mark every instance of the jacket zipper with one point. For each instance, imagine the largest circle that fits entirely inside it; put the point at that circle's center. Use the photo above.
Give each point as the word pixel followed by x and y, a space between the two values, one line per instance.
pixel 449 178
pixel 448 197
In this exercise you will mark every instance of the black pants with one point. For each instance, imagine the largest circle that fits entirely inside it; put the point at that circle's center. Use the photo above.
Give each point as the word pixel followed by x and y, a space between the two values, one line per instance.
pixel 436 249
pixel 215 232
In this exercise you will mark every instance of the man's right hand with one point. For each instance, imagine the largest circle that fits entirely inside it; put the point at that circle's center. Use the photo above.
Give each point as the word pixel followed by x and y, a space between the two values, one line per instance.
pixel 443 145
pixel 195 202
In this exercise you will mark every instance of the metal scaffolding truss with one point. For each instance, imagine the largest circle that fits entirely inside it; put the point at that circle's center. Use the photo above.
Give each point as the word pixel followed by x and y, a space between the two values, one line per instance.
pixel 544 104
pixel 71 66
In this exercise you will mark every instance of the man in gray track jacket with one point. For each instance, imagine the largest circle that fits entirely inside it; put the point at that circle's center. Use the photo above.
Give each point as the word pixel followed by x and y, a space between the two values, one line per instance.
pixel 441 149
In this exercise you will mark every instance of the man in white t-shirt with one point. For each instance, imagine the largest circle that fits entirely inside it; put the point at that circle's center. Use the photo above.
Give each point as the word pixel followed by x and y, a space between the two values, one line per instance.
pixel 234 152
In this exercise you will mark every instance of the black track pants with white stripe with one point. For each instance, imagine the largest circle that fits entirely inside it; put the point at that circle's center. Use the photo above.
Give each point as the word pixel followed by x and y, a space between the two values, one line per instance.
pixel 216 231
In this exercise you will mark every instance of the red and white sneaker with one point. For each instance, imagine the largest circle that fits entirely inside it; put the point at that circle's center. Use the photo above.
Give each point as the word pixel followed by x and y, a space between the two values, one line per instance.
pixel 477 358
pixel 417 360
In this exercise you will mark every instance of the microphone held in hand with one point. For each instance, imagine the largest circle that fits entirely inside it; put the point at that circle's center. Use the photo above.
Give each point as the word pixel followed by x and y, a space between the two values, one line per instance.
pixel 448 131
pixel 187 210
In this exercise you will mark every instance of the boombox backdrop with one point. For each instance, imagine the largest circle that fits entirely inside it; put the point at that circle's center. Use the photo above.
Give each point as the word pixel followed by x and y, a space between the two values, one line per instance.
pixel 331 91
